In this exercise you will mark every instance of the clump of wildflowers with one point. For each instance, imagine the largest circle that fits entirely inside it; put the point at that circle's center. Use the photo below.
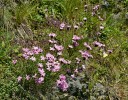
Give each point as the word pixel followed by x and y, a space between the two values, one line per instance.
pixel 85 54
pixel 50 57
pixel 53 66
pixel 75 40
pixel 27 53
pixel 62 84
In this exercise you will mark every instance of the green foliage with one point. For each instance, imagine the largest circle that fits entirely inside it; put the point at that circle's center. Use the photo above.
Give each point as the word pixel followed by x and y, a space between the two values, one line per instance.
pixel 23 11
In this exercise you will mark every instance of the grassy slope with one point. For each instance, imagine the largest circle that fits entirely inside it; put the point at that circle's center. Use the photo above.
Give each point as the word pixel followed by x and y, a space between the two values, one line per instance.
pixel 110 71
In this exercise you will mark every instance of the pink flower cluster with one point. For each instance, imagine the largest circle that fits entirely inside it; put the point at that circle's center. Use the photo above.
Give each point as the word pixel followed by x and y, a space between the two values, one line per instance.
pixel 42 74
pixel 62 25
pixel 75 40
pixel 64 61
pixel 52 64
pixel 28 53
pixel 37 80
pixel 98 44
pixel 58 47
pixel 50 57
pixel 62 84
pixel 85 54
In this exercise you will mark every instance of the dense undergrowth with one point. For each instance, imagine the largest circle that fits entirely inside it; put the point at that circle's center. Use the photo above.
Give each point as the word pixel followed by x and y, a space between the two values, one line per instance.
pixel 64 49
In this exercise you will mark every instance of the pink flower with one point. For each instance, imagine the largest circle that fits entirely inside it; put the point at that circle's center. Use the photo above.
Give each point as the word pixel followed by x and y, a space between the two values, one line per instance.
pixel 33 58
pixel 52 48
pixel 96 7
pixel 29 53
pixel 41 71
pixel 62 25
pixel 58 47
pixel 14 61
pixel 25 49
pixel 86 45
pixel 62 84
pixel 72 76
pixel 37 50
pixel 52 41
pixel 25 56
pixel 76 71
pixel 52 35
pixel 75 43
pixel 85 54
pixel 19 78
pixel 50 57
pixel 63 60
pixel 49 65
pixel 42 58
pixel 75 37
pixel 62 77
pixel 40 80
pixel 27 77
pixel 40 65
pixel 53 66
pixel 98 44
